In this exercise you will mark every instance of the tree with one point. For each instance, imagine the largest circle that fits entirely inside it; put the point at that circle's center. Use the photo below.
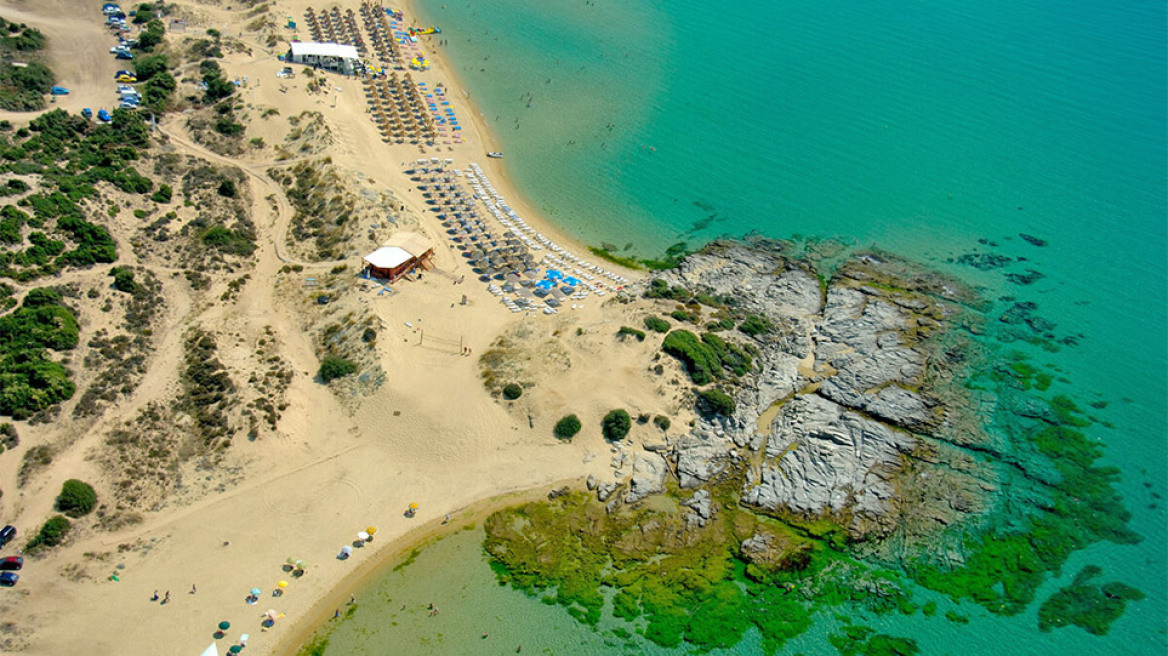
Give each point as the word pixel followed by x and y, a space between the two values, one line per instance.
pixel 567 427
pixel 77 498
pixel 147 66
pixel 334 367
pixel 616 425
pixel 512 391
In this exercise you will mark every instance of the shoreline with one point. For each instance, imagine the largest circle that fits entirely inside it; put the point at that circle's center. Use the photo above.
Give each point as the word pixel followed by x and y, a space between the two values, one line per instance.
pixel 317 616
pixel 496 169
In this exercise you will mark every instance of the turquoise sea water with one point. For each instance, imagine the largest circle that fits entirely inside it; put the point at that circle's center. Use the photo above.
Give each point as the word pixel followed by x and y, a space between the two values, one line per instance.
pixel 918 127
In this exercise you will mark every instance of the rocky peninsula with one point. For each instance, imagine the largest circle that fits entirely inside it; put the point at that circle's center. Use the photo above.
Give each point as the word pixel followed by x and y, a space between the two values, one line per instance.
pixel 854 436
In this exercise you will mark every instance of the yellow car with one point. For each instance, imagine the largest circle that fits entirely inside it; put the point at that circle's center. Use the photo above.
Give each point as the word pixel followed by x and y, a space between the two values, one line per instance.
pixel 126 78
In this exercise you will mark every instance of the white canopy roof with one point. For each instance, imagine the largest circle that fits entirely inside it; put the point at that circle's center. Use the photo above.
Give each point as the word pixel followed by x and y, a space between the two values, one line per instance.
pixel 301 48
pixel 388 257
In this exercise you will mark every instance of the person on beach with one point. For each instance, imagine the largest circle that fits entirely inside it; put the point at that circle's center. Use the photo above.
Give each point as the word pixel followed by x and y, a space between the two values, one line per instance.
pixel 352 599
pixel 194 588
pixel 166 599
pixel 337 614
pixel 155 597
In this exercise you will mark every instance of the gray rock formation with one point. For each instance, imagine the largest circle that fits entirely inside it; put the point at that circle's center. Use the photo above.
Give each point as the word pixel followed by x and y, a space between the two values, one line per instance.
pixel 824 457
pixel 648 476
pixel 857 368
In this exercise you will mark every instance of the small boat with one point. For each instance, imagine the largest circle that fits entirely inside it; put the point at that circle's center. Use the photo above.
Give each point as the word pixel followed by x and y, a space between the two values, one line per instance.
pixel 495 154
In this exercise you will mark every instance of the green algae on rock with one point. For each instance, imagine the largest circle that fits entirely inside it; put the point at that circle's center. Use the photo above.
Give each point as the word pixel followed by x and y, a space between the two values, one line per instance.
pixel 894 432
pixel 1087 605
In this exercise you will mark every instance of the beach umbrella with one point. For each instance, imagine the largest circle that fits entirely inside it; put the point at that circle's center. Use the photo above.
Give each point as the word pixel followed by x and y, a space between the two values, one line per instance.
pixel 256 591
pixel 413 506
pixel 282 584
pixel 224 625
pixel 362 536
pixel 235 649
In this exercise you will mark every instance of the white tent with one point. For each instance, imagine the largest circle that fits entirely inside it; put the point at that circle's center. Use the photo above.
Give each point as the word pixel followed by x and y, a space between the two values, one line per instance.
pixel 388 257
pixel 213 650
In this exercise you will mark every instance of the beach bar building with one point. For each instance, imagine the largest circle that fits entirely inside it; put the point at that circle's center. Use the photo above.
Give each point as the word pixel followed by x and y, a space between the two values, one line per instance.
pixel 400 255
pixel 332 56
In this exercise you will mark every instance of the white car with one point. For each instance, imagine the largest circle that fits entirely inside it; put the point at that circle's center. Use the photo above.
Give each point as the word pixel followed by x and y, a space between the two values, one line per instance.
pixel 124 89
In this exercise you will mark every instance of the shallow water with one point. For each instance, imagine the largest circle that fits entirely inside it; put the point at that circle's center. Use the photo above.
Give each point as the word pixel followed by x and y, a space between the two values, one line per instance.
pixel 919 128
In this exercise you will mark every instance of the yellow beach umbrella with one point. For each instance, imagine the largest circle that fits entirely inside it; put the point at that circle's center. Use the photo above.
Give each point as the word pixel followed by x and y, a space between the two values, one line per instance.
pixel 371 530
pixel 413 506
pixel 282 584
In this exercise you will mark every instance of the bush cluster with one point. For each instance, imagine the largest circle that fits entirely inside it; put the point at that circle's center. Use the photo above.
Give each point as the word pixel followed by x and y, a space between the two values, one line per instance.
pixel 52 533
pixel 335 367
pixel 77 498
pixel 30 380
pixel 615 425
pixel 657 324
pixel 717 402
pixel 567 427
pixel 512 391
pixel 629 331
pixel 707 358
pixel 755 325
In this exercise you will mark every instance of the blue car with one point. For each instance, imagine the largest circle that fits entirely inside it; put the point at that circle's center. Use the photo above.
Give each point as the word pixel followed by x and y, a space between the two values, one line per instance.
pixel 9 579
pixel 103 116
pixel 59 91
pixel 87 112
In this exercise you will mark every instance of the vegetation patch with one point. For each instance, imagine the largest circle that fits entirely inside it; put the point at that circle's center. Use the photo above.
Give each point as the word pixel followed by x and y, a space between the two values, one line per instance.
pixel 615 425
pixel 77 498
pixel 334 367
pixel 1086 604
pixel 30 379
pixel 567 427
pixel 709 358
pixel 23 88
pixel 52 533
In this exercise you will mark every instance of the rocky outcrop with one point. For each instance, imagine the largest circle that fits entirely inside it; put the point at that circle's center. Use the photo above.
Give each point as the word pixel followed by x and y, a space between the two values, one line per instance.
pixel 859 367
pixel 648 476
pixel 824 457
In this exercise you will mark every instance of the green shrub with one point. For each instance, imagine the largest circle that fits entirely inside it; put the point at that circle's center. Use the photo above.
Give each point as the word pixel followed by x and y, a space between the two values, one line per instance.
pixel 717 402
pixel 700 360
pixel 333 367
pixel 124 280
pixel 616 425
pixel 658 288
pixel 512 391
pixel 567 427
pixel 77 498
pixel 629 331
pixel 657 324
pixel 662 422
pixel 52 533
pixel 755 325
pixel 163 194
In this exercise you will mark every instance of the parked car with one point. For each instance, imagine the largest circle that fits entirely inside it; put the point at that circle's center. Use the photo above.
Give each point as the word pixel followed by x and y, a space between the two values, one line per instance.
pixel 126 104
pixel 87 112
pixel 7 534
pixel 110 8
pixel 11 563
pixel 59 91
pixel 125 77
pixel 119 48
pixel 123 54
pixel 8 579
pixel 103 116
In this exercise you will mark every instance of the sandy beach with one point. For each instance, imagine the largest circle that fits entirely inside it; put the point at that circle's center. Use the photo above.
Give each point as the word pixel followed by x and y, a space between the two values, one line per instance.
pixel 432 434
